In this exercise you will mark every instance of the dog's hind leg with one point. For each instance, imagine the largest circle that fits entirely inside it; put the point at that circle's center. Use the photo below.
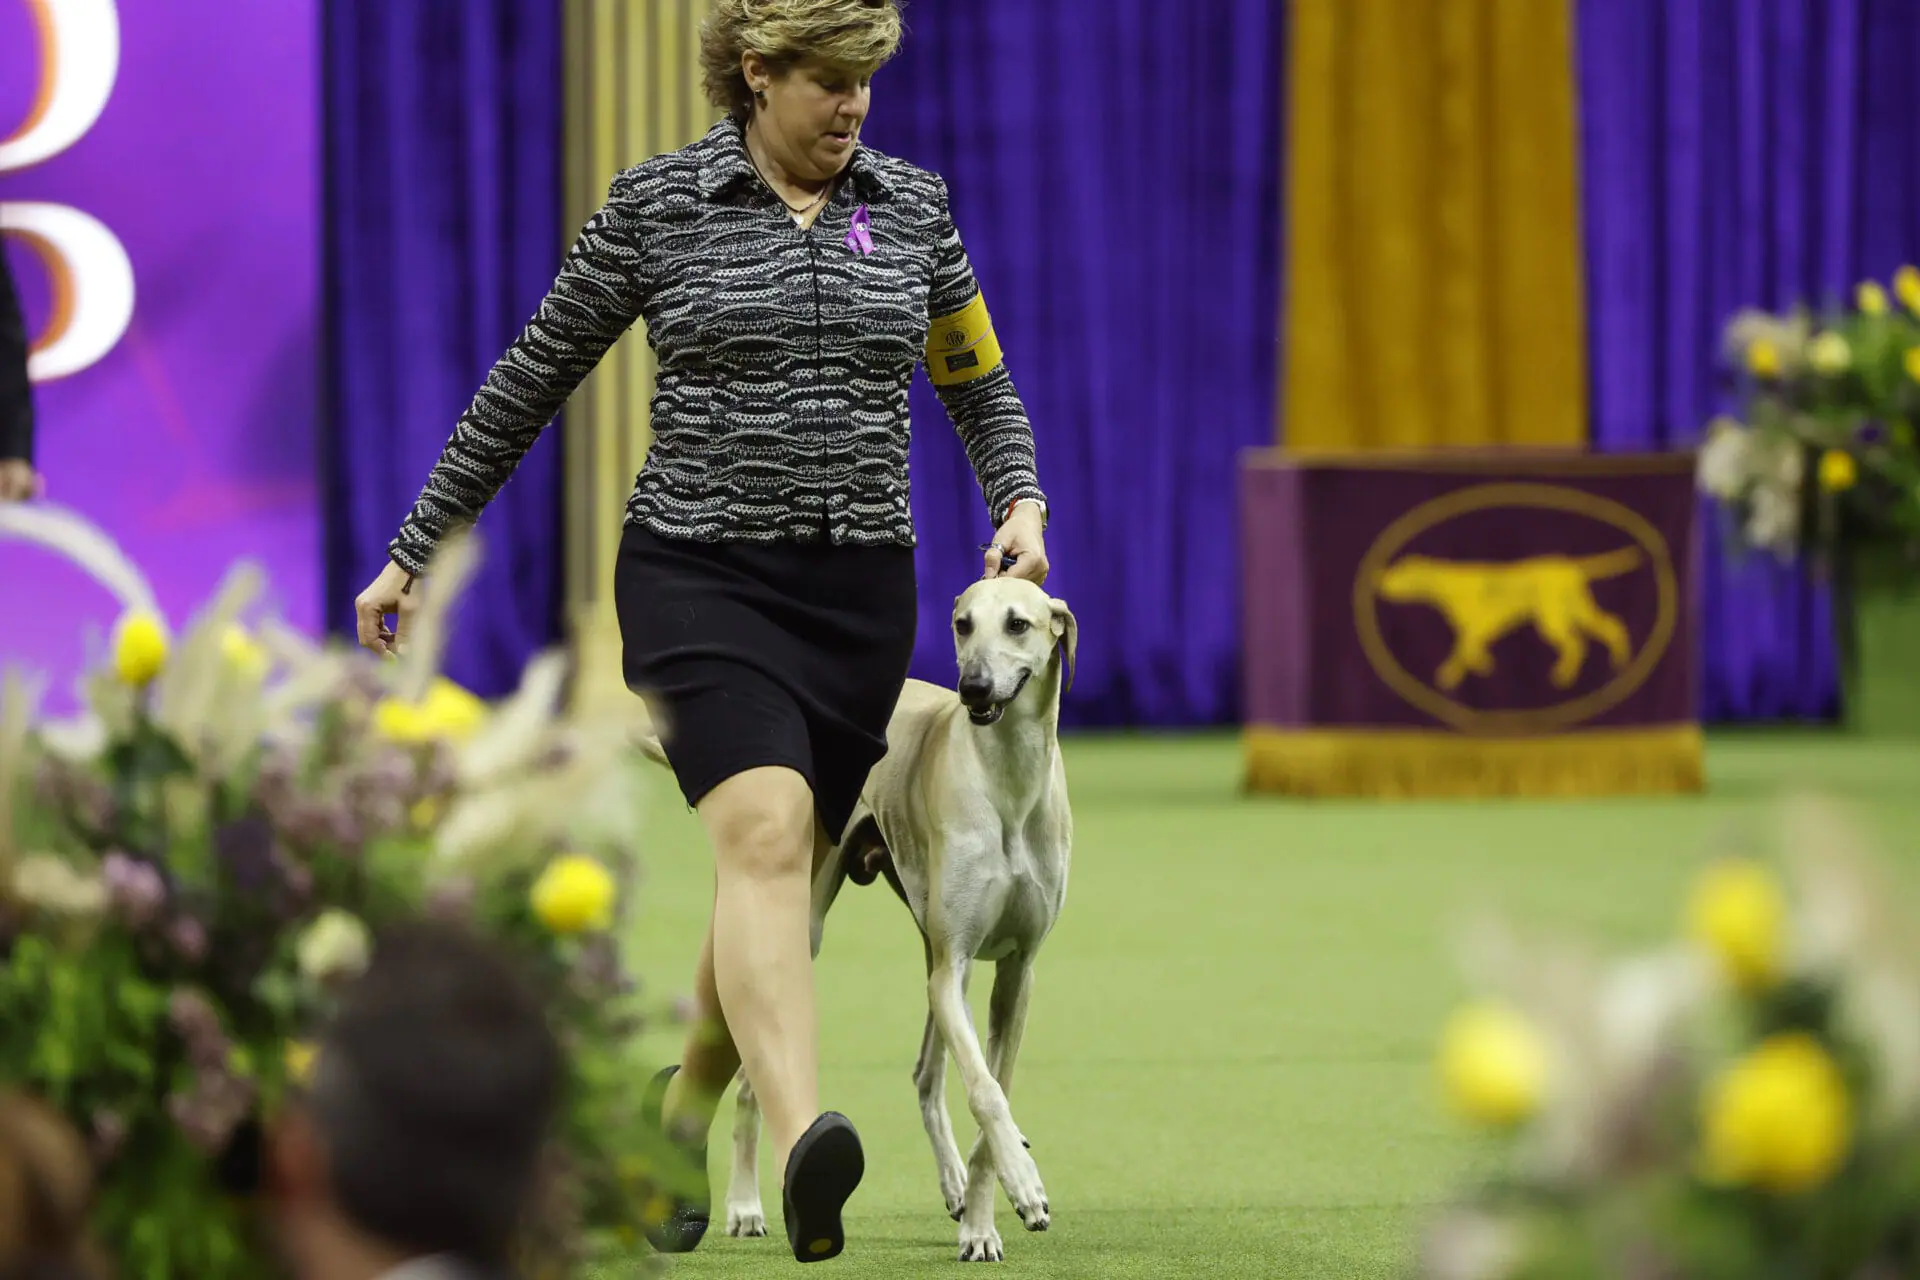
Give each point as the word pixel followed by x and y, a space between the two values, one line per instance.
pixel 1018 1174
pixel 1006 1024
pixel 745 1216
pixel 930 1081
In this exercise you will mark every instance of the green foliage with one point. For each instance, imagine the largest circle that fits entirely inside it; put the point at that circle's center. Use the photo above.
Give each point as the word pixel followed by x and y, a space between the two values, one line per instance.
pixel 171 912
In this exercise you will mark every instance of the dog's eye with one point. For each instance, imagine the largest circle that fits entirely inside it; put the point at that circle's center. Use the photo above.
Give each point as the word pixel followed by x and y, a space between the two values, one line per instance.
pixel 963 626
pixel 1018 626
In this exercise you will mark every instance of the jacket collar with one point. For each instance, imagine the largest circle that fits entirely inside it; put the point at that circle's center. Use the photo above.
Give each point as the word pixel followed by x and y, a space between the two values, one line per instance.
pixel 724 163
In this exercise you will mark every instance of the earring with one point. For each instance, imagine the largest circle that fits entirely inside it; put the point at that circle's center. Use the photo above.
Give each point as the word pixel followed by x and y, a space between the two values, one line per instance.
pixel 760 96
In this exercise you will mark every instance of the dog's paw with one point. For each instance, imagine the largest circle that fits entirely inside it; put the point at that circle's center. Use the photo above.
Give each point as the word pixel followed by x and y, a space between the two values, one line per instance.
pixel 981 1244
pixel 953 1189
pixel 746 1220
pixel 1021 1180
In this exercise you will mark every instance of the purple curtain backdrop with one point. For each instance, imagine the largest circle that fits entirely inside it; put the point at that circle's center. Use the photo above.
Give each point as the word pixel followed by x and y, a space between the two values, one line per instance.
pixel 1738 153
pixel 1115 168
pixel 443 213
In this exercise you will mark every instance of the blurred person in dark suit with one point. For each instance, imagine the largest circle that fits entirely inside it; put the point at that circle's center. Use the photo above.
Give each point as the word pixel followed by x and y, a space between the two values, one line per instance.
pixel 46 1190
pixel 414 1152
pixel 18 480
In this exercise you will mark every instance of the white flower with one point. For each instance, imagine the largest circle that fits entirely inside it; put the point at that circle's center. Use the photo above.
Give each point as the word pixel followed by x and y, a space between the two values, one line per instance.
pixel 56 886
pixel 335 945
pixel 1773 519
pixel 1726 459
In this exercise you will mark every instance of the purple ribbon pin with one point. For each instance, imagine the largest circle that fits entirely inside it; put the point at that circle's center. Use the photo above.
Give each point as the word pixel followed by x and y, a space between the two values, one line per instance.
pixel 860 234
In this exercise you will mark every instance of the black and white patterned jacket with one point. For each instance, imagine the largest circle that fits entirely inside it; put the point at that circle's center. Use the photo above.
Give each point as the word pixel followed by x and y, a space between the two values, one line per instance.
pixel 780 410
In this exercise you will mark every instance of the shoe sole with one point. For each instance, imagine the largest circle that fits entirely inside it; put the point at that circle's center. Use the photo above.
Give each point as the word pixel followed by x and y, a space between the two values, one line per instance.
pixel 823 1172
pixel 686 1226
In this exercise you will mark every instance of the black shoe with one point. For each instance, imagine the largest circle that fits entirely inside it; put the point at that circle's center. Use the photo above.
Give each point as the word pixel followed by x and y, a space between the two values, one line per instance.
pixel 684 1226
pixel 822 1172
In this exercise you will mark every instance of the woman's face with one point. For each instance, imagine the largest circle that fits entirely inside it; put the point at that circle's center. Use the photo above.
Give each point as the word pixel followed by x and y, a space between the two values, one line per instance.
pixel 815 111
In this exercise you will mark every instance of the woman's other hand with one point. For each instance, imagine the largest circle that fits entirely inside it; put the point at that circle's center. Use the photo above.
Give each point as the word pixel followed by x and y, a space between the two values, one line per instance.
pixel 1021 538
pixel 390 593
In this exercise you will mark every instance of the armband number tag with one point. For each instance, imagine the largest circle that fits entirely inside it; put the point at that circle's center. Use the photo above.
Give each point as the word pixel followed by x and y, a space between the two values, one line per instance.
pixel 962 346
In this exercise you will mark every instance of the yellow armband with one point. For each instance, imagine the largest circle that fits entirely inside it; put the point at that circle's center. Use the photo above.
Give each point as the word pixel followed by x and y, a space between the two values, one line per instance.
pixel 962 347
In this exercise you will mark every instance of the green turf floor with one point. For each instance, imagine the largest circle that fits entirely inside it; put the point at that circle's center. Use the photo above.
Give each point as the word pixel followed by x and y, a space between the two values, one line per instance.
pixel 1226 1069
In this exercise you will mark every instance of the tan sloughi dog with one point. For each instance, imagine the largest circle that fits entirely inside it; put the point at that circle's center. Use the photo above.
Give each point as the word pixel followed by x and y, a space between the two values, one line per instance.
pixel 966 816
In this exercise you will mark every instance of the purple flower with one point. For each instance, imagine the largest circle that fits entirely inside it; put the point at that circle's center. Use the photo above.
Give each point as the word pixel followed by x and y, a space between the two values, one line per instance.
pixel 245 848
pixel 198 1025
pixel 109 1135
pixel 134 887
pixel 212 1109
pixel 298 875
pixel 189 938
pixel 1871 433
pixel 451 899
pixel 345 828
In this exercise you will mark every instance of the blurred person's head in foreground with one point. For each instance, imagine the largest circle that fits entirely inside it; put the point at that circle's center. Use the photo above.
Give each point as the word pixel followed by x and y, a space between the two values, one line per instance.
pixel 421 1131
pixel 46 1190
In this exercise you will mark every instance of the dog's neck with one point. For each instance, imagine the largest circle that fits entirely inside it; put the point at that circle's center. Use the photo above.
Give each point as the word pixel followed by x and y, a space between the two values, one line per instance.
pixel 1018 750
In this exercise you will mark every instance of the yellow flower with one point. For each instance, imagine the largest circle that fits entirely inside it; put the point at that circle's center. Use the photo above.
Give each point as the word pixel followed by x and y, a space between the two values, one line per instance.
pixel 425 813
pixel 1738 913
pixel 1838 471
pixel 1829 354
pixel 447 712
pixel 299 1061
pixel 243 653
pixel 1763 358
pixel 1493 1065
pixel 1906 287
pixel 574 895
pixel 1871 298
pixel 658 1209
pixel 1778 1119
pixel 139 648
pixel 1911 362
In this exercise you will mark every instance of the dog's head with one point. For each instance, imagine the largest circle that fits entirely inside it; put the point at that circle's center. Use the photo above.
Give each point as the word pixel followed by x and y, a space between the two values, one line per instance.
pixel 1407 578
pixel 1005 631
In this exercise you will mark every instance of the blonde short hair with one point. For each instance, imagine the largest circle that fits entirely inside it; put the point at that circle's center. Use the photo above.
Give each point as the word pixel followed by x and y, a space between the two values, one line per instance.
pixel 844 33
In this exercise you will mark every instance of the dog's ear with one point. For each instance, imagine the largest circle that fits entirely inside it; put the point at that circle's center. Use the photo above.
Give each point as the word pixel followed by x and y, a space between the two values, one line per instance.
pixel 1066 633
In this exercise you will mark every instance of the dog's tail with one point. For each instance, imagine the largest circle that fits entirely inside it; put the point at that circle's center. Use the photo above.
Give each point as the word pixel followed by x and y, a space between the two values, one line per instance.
pixel 1610 564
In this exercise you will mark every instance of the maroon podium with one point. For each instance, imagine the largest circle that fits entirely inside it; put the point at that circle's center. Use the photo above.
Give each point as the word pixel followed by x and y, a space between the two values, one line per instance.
pixel 1470 624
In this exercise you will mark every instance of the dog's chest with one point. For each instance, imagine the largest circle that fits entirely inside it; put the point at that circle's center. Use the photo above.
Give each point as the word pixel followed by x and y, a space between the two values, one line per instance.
pixel 1017 902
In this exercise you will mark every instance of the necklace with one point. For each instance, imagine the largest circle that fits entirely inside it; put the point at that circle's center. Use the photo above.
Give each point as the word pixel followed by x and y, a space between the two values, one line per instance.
pixel 798 212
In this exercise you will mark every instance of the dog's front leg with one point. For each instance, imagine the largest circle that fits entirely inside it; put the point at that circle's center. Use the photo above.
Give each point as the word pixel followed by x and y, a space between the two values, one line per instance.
pixel 979 1242
pixel 1006 1024
pixel 745 1216
pixel 930 1082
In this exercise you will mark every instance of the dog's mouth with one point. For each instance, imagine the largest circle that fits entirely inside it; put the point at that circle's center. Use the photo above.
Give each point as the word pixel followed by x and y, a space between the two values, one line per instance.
pixel 990 712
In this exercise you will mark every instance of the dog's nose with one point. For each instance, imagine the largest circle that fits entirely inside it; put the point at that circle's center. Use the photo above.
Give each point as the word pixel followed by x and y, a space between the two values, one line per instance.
pixel 975 689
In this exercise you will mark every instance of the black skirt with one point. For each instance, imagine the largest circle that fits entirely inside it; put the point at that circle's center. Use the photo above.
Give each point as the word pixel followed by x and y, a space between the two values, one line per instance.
pixel 757 654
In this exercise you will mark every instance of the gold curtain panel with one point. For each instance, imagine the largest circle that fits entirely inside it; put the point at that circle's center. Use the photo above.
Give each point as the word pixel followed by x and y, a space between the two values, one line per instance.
pixel 1433 257
pixel 633 91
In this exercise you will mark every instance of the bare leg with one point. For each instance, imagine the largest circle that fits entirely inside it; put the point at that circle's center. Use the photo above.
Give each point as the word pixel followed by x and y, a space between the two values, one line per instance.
pixel 708 1059
pixel 745 1214
pixel 762 828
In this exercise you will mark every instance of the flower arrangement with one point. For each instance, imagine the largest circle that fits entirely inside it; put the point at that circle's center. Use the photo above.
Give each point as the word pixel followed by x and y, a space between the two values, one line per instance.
pixel 1823 449
pixel 188 867
pixel 1742 1102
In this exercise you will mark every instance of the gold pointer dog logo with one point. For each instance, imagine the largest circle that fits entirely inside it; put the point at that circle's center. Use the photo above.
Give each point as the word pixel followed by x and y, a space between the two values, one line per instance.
pixel 1485 601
